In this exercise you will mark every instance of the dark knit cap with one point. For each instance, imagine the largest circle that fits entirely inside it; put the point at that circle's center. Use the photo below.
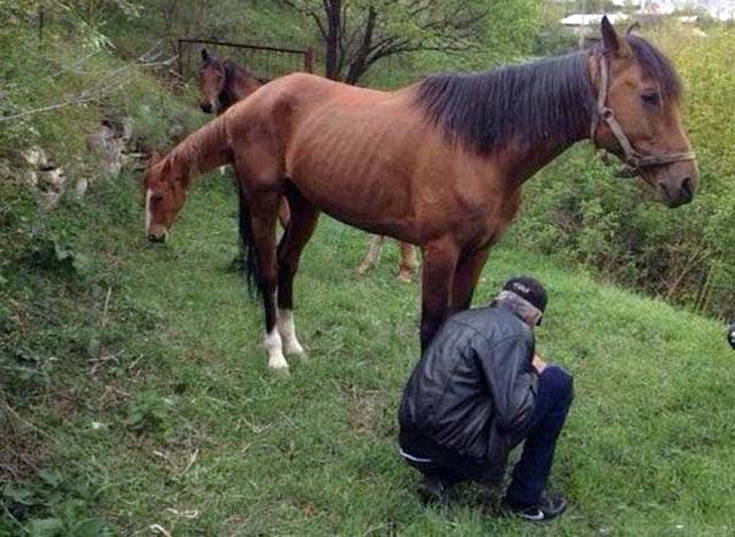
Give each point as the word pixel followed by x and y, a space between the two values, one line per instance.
pixel 529 289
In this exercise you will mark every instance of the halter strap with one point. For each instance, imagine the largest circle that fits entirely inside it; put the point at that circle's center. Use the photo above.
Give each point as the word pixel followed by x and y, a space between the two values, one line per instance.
pixel 632 157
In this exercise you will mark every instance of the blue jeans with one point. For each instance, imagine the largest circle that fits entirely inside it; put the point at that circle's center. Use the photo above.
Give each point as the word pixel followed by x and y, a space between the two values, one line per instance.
pixel 553 399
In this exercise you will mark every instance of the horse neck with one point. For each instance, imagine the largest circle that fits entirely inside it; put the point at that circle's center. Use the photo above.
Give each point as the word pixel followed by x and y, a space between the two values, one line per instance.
pixel 518 117
pixel 239 84
pixel 524 160
pixel 200 152
pixel 527 158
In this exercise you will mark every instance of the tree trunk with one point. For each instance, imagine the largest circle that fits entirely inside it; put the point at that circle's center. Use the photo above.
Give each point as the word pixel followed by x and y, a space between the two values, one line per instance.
pixel 333 9
pixel 359 64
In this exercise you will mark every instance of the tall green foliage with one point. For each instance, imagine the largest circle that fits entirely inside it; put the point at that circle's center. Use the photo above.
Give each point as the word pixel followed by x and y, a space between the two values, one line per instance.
pixel 54 92
pixel 84 19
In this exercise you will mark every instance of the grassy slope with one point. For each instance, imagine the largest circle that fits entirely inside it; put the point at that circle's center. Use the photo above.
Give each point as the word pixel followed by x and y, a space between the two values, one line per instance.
pixel 192 421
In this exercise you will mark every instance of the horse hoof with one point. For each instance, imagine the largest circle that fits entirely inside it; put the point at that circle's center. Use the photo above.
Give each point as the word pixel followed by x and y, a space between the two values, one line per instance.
pixel 362 269
pixel 294 347
pixel 281 371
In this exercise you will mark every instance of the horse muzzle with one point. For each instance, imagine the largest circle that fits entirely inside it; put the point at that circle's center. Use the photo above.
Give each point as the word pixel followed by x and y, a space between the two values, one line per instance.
pixel 157 238
pixel 678 186
pixel 207 108
pixel 157 234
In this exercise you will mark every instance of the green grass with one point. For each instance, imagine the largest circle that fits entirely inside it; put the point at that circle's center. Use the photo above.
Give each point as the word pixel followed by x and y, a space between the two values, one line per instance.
pixel 158 409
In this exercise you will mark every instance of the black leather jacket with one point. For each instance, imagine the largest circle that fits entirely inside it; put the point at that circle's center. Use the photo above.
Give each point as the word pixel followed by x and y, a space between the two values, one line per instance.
pixel 474 389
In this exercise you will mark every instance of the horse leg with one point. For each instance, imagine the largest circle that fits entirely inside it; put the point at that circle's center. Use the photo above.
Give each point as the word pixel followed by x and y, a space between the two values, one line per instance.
pixel 437 274
pixel 263 208
pixel 372 255
pixel 408 264
pixel 466 277
pixel 304 217
pixel 284 212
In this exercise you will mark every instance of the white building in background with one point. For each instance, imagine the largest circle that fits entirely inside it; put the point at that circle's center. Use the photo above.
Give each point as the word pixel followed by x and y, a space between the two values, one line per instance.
pixel 592 19
pixel 627 3
pixel 723 10
pixel 660 7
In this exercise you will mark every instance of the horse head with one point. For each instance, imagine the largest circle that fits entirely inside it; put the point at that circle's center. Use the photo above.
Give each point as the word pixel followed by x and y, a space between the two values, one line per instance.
pixel 165 195
pixel 638 117
pixel 211 78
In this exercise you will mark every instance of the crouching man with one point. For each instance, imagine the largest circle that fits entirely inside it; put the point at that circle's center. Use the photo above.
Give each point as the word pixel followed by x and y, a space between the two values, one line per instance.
pixel 478 391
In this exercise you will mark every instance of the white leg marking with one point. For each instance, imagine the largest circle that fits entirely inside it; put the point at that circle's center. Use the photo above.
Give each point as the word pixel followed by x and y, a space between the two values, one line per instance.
pixel 287 330
pixel 148 194
pixel 274 348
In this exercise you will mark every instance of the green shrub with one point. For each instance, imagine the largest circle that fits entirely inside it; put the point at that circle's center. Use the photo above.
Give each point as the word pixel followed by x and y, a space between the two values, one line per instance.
pixel 52 505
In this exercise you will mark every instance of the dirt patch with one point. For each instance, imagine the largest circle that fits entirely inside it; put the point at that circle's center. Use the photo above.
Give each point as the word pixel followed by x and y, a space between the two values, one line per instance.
pixel 363 406
pixel 22 449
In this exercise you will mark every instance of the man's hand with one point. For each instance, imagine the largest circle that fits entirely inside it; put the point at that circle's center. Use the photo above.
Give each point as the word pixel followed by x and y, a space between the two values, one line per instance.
pixel 538 363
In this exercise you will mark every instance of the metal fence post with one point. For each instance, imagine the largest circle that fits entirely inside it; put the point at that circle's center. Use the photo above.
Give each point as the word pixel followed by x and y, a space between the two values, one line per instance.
pixel 309 60
pixel 181 60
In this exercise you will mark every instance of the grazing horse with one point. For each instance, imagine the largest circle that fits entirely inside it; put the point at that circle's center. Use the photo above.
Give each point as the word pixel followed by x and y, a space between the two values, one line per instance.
pixel 439 164
pixel 222 83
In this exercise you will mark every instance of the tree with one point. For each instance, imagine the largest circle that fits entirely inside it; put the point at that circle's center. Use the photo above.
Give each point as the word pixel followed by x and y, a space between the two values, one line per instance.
pixel 357 33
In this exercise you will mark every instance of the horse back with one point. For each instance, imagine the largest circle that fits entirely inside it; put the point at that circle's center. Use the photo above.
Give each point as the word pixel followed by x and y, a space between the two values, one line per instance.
pixel 275 115
pixel 335 141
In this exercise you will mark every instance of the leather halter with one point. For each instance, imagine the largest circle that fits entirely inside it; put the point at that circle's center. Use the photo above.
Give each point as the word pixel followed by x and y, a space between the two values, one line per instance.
pixel 632 157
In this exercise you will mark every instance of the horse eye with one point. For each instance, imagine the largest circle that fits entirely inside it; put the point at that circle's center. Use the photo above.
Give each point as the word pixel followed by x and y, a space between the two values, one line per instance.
pixel 156 197
pixel 650 98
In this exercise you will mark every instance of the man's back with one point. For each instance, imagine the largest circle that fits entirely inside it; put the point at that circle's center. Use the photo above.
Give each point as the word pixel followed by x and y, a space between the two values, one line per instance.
pixel 473 386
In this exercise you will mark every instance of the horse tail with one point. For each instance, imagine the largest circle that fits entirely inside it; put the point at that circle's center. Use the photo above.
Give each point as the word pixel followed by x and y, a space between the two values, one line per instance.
pixel 253 276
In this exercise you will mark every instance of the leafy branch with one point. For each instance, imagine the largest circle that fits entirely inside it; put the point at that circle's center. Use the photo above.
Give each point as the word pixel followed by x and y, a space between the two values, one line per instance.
pixel 113 82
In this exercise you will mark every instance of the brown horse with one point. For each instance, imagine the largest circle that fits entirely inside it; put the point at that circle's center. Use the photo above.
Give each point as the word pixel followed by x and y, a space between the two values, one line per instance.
pixel 223 83
pixel 439 164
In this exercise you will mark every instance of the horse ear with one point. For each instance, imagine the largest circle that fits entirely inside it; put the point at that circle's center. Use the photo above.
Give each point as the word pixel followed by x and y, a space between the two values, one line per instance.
pixel 611 41
pixel 635 26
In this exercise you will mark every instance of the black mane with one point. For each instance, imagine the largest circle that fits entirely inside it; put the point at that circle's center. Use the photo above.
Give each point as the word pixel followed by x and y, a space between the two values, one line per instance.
pixel 657 66
pixel 551 99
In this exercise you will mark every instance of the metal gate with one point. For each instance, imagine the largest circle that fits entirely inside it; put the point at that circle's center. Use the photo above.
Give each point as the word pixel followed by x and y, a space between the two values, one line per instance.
pixel 265 62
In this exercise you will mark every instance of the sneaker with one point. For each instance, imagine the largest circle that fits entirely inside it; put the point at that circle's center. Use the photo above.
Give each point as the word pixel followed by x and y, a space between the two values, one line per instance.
pixel 433 490
pixel 548 507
